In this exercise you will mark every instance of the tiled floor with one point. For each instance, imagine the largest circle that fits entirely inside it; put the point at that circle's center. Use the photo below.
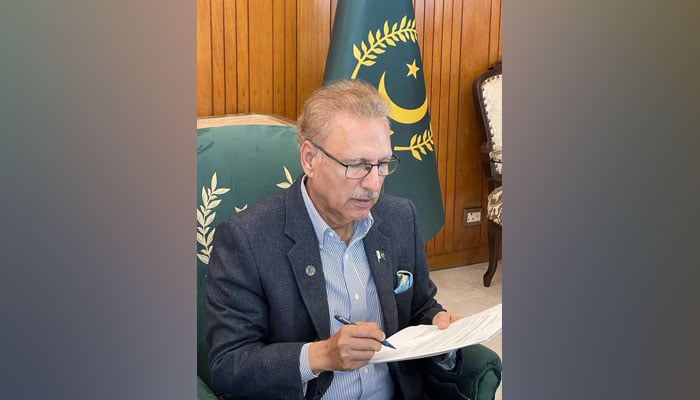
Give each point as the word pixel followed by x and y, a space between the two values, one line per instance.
pixel 461 290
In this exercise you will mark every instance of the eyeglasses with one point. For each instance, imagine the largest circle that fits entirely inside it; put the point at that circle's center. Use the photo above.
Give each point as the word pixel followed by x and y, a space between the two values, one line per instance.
pixel 359 171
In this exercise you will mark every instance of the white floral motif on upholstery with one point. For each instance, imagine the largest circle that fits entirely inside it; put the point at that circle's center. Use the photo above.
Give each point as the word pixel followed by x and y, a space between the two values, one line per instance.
pixel 495 206
pixel 492 91
pixel 289 180
pixel 206 213
pixel 205 218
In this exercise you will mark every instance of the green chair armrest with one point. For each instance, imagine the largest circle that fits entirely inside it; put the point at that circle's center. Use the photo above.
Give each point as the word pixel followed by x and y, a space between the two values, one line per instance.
pixel 476 377
pixel 203 391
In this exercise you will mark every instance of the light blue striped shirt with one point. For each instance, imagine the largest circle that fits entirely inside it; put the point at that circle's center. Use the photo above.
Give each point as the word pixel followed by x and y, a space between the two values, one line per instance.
pixel 351 293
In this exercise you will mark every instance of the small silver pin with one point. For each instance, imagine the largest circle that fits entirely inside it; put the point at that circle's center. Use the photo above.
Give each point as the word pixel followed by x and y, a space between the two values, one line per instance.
pixel 380 255
pixel 310 270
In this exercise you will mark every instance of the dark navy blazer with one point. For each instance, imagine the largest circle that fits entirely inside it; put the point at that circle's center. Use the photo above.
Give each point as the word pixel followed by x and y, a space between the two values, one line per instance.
pixel 262 303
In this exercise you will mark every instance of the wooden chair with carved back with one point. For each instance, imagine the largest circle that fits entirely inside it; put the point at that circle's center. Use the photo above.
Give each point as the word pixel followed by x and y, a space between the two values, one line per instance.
pixel 488 94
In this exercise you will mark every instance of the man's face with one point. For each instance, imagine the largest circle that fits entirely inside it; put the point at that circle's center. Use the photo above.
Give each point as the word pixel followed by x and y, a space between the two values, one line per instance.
pixel 353 140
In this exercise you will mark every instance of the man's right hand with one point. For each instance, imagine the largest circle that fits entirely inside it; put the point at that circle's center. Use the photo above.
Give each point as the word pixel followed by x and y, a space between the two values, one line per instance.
pixel 350 348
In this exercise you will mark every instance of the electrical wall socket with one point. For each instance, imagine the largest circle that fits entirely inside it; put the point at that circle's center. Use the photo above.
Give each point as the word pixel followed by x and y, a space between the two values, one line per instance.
pixel 471 216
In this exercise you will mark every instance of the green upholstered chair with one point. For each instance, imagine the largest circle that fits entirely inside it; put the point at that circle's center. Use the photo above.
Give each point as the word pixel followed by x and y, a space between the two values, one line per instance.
pixel 238 165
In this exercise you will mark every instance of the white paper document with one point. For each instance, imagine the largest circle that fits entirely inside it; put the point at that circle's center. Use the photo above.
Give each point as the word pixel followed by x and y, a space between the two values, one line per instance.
pixel 428 340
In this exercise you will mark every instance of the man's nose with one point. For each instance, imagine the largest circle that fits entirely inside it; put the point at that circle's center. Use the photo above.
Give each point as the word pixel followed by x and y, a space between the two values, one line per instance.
pixel 373 181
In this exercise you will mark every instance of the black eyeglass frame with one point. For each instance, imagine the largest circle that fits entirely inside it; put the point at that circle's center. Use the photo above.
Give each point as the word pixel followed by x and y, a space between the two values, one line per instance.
pixel 394 157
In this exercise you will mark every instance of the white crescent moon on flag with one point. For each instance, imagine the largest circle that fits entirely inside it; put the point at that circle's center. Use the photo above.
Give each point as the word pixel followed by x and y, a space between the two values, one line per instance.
pixel 400 114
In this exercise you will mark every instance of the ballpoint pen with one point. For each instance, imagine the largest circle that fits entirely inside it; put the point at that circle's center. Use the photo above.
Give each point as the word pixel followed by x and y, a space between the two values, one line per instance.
pixel 346 321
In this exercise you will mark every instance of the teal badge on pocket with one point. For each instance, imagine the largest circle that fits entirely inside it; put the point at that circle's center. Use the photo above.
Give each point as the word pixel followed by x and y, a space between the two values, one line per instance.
pixel 404 281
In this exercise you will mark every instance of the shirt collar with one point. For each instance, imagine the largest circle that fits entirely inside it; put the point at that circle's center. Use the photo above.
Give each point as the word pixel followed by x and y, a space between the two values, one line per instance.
pixel 321 228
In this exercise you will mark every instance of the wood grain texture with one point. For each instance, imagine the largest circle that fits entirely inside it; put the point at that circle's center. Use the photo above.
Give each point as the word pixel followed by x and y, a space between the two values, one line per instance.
pixel 290 57
pixel 260 53
pixel 469 171
pixel 278 57
pixel 313 38
pixel 204 65
pixel 230 59
pixel 218 57
pixel 495 43
pixel 267 56
pixel 243 40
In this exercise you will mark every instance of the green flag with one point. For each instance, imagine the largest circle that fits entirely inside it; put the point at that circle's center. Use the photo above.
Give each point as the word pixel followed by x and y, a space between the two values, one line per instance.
pixel 377 42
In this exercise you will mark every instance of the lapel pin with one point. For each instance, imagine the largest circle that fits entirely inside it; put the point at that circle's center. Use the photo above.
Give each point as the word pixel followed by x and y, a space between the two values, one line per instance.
pixel 310 270
pixel 380 255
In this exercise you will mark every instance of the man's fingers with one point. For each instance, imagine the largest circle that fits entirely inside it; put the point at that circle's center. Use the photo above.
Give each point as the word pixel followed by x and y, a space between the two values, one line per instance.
pixel 359 337
pixel 370 330
pixel 339 353
pixel 364 330
pixel 443 319
pixel 352 346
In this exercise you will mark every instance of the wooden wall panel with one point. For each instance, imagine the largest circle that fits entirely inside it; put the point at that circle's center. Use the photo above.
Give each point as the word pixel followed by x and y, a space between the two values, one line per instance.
pixel 242 56
pixel 475 42
pixel 313 37
pixel 230 59
pixel 266 56
pixel 278 57
pixel 495 43
pixel 290 59
pixel 260 53
pixel 217 57
pixel 204 64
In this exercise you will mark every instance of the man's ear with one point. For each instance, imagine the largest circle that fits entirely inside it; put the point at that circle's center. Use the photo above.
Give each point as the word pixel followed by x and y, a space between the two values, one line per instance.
pixel 308 153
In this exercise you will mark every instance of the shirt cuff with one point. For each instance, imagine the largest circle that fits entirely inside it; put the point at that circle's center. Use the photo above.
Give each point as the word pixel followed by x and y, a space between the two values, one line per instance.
pixel 304 367
pixel 446 361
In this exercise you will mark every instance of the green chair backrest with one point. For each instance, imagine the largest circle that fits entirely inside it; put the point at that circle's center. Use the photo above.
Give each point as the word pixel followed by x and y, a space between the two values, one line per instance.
pixel 237 165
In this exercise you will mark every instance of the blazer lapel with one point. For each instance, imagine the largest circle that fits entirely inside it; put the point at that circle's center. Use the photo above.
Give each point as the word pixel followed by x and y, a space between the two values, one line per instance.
pixel 305 260
pixel 381 263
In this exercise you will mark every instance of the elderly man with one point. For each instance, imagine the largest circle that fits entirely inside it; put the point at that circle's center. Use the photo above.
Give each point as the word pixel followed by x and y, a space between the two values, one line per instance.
pixel 329 245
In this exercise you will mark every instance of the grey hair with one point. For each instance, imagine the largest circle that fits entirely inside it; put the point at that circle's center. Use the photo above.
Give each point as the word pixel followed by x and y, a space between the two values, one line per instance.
pixel 344 97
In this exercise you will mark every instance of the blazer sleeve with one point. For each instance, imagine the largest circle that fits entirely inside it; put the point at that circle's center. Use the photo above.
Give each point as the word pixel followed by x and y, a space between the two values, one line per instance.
pixel 241 363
